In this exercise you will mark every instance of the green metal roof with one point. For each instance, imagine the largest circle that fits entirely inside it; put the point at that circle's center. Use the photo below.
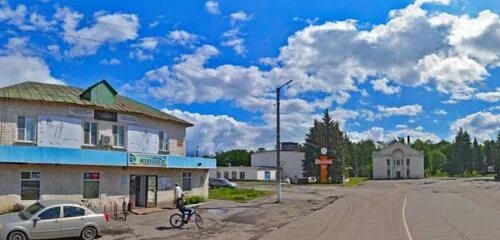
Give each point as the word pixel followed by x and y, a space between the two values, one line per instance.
pixel 52 93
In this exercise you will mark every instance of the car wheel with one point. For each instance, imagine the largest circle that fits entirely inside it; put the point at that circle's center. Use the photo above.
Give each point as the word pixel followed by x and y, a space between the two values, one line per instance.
pixel 17 235
pixel 89 233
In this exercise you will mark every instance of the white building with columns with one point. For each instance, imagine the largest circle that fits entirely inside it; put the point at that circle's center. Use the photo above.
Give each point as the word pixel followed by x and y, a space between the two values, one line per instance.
pixel 398 161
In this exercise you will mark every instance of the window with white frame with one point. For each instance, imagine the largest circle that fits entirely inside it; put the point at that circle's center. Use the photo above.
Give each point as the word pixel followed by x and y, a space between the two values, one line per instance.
pixel 163 141
pixel 118 136
pixel 26 128
pixel 30 185
pixel 90 133
pixel 186 181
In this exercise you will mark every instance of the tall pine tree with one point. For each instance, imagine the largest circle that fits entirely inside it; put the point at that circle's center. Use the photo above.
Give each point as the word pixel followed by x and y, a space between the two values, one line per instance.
pixel 477 157
pixel 326 133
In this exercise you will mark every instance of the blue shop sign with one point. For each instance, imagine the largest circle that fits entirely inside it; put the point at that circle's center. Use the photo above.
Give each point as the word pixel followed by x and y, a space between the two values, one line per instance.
pixel 147 160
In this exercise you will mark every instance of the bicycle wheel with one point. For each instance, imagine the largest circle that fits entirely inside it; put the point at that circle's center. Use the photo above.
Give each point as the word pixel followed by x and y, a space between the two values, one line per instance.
pixel 199 221
pixel 176 220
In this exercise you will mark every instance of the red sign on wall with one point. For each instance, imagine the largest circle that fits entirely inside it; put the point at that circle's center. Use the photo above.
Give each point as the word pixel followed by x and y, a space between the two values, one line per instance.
pixel 91 176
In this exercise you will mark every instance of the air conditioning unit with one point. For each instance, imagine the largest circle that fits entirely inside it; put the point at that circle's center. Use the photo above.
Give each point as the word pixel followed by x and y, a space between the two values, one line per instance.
pixel 105 140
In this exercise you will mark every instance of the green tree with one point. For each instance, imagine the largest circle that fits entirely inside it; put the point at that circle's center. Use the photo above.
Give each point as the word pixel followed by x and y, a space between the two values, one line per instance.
pixel 496 156
pixel 326 133
pixel 489 155
pixel 236 157
pixel 455 162
pixel 362 159
pixel 437 161
pixel 477 156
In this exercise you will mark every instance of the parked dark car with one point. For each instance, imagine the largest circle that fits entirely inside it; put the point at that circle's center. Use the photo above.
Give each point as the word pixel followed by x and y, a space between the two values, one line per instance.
pixel 221 182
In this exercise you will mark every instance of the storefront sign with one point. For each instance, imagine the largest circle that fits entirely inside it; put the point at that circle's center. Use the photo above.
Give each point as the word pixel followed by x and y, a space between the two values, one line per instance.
pixel 128 119
pixel 81 112
pixel 144 160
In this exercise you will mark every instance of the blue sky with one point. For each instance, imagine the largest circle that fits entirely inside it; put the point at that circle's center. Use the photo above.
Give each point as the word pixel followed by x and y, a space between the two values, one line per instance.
pixel 383 68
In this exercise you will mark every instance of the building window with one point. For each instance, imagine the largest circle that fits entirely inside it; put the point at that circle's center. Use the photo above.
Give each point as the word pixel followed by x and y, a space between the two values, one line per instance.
pixel 30 185
pixel 163 141
pixel 407 173
pixel 90 133
pixel 388 162
pixel 26 129
pixel 219 175
pixel 388 173
pixel 226 175
pixel 242 175
pixel 91 185
pixel 407 162
pixel 234 174
pixel 118 136
pixel 186 181
pixel 394 162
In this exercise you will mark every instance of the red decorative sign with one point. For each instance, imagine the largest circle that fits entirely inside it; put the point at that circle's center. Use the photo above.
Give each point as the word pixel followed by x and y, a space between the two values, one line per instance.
pixel 323 162
pixel 91 176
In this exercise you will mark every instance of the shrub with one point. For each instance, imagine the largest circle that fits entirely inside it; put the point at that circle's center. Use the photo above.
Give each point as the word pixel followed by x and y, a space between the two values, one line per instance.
pixel 194 200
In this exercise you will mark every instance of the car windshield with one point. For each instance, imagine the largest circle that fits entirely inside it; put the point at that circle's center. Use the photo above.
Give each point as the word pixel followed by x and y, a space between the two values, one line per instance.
pixel 31 210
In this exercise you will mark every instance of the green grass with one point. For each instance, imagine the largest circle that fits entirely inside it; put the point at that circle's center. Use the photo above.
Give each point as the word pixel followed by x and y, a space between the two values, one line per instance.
pixel 354 181
pixel 236 195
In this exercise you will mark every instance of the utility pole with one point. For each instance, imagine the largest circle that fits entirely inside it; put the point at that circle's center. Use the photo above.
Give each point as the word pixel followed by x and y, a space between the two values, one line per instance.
pixel 278 144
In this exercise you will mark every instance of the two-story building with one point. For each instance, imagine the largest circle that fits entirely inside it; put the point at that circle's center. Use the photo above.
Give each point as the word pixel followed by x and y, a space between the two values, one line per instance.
pixel 62 142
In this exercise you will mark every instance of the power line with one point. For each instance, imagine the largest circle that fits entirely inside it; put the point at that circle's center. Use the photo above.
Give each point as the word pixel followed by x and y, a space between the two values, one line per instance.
pixel 182 64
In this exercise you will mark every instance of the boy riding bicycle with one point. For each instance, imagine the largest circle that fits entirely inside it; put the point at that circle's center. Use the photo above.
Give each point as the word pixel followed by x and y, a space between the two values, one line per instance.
pixel 180 204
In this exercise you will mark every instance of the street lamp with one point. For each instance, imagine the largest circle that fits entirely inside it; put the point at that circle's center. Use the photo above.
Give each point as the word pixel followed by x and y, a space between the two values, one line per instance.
pixel 278 147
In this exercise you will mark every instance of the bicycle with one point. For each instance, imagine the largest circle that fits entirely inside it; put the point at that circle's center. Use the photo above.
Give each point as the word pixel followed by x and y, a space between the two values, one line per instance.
pixel 124 211
pixel 177 222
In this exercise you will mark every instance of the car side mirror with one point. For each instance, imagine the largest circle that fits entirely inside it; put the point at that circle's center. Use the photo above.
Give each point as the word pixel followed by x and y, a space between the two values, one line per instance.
pixel 36 219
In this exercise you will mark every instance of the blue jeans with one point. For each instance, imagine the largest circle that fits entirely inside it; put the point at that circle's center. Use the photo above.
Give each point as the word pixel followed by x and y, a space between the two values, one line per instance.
pixel 186 211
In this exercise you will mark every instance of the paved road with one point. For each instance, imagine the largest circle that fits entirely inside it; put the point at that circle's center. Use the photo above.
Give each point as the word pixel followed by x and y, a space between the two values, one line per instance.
pixel 434 210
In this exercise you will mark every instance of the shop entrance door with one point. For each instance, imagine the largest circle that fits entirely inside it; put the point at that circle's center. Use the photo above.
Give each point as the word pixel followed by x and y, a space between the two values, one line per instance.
pixel 143 190
pixel 152 191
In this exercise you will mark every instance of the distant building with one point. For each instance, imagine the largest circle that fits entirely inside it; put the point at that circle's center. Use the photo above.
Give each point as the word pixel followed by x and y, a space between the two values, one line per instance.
pixel 291 162
pixel 245 173
pixel 398 161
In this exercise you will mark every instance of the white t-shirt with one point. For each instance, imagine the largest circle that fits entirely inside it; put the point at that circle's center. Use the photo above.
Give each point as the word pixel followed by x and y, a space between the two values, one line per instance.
pixel 178 192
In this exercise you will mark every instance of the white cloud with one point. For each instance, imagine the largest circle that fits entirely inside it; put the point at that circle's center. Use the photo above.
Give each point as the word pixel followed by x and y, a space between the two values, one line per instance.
pixel 401 126
pixel 380 134
pixel 407 110
pixel 440 112
pixel 237 43
pixel 109 28
pixel 144 49
pixel 12 16
pixel 489 96
pixel 148 43
pixel 183 38
pixel 110 62
pixel 212 7
pixel 239 16
pixel 381 85
pixel 18 68
pixel 55 51
pixel 214 133
pixel 483 125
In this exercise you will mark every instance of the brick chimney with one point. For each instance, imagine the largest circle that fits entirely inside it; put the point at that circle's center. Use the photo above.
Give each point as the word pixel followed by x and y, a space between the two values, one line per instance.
pixel 408 140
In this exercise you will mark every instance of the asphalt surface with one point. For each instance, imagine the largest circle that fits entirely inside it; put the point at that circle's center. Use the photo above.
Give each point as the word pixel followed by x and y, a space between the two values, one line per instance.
pixel 406 210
